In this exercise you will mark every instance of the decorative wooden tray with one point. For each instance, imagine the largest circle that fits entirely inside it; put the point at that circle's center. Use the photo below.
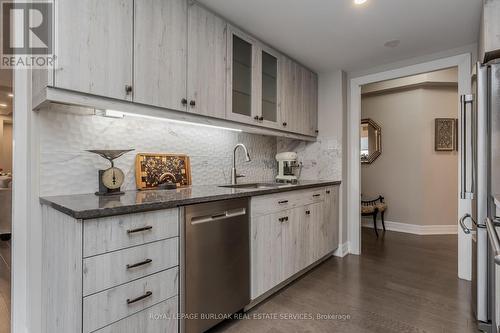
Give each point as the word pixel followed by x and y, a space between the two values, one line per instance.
pixel 152 170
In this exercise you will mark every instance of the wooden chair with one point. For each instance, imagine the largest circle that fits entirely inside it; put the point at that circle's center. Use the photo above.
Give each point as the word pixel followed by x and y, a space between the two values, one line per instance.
pixel 372 208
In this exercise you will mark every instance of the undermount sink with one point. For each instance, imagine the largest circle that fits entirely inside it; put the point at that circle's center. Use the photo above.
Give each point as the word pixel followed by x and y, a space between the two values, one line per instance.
pixel 255 185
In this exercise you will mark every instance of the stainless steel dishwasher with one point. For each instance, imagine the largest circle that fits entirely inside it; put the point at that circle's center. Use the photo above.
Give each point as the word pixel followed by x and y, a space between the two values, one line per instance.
pixel 216 262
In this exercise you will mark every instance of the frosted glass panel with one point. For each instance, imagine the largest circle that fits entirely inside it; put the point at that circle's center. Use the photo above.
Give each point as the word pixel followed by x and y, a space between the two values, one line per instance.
pixel 269 86
pixel 242 76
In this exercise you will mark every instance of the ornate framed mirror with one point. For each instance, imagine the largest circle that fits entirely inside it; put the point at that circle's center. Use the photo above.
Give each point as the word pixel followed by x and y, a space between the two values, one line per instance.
pixel 371 141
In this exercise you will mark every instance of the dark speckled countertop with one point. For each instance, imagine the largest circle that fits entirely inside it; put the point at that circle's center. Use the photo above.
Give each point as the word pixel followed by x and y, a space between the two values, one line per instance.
pixel 89 206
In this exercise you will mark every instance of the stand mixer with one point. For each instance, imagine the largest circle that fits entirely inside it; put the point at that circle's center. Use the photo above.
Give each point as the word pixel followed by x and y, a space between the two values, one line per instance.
pixel 287 163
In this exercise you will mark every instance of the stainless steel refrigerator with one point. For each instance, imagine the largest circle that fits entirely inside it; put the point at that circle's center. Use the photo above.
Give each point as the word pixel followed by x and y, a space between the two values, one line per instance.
pixel 480 181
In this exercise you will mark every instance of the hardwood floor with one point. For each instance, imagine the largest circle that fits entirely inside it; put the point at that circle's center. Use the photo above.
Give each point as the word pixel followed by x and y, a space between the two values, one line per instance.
pixel 401 283
pixel 5 269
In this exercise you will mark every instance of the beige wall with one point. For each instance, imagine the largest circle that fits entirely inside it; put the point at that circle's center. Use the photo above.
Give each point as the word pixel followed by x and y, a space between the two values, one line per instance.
pixel 420 185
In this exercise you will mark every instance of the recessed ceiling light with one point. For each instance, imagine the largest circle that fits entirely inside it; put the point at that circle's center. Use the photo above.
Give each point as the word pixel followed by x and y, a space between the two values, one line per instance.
pixel 392 43
pixel 359 2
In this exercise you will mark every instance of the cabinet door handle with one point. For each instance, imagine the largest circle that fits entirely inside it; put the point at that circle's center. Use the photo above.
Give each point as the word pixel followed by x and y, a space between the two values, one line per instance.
pixel 256 118
pixel 184 101
pixel 145 228
pixel 142 263
pixel 128 89
pixel 308 212
pixel 140 298
pixel 283 202
pixel 261 118
pixel 328 192
pixel 284 124
pixel 192 103
pixel 316 195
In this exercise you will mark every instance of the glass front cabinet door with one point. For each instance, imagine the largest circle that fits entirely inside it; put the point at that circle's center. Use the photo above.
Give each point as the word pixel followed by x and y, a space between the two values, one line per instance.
pixel 252 95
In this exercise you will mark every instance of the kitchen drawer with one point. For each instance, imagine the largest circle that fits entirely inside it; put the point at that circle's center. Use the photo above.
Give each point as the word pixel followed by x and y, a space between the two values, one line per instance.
pixel 160 318
pixel 118 232
pixel 268 204
pixel 111 305
pixel 110 269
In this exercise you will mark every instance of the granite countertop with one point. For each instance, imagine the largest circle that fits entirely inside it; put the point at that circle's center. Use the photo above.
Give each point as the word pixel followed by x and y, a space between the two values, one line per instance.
pixel 89 206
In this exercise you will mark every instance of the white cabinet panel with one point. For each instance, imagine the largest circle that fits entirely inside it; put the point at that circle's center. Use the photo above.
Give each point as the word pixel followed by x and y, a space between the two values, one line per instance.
pixel 94 46
pixel 206 63
pixel 160 53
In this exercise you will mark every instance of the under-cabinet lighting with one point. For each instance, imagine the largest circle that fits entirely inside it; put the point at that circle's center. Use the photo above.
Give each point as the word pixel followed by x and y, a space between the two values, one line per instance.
pixel 10 95
pixel 359 2
pixel 3 105
pixel 120 114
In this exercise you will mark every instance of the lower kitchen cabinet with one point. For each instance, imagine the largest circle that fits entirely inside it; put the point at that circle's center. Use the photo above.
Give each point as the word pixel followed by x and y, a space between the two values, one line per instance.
pixel 288 239
pixel 120 283
pixel 266 253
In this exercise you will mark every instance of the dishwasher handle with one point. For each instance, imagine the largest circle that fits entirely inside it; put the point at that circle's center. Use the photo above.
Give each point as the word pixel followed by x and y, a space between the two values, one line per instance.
pixel 493 237
pixel 218 216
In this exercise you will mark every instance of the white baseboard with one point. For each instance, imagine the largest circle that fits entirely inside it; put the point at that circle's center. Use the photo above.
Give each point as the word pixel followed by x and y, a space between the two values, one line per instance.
pixel 413 228
pixel 342 250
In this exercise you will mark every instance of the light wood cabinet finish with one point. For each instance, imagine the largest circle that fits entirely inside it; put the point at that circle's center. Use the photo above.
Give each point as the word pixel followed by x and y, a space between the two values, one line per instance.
pixel 331 219
pixel 489 39
pixel 118 232
pixel 159 318
pixel 160 53
pixel 238 80
pixel 206 65
pixel 94 46
pixel 291 236
pixel 112 305
pixel 85 294
pixel 110 269
pixel 294 243
pixel 61 272
pixel 266 253
pixel 299 98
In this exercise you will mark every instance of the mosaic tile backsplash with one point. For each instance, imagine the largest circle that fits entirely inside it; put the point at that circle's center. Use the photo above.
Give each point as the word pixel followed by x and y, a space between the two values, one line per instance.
pixel 66 168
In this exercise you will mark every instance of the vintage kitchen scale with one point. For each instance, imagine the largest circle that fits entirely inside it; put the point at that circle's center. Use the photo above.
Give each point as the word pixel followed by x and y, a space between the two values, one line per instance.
pixel 110 180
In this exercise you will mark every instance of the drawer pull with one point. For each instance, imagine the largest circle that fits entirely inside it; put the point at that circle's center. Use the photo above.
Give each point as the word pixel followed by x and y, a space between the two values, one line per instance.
pixel 142 263
pixel 283 219
pixel 133 231
pixel 316 195
pixel 140 298
pixel 328 192
pixel 283 202
pixel 308 212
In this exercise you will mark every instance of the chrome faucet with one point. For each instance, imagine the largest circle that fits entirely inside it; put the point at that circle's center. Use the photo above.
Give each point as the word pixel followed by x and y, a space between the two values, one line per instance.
pixel 234 175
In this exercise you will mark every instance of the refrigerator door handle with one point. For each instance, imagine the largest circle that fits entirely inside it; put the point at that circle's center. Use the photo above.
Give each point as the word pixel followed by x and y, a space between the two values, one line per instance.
pixel 462 223
pixel 465 192
pixel 493 237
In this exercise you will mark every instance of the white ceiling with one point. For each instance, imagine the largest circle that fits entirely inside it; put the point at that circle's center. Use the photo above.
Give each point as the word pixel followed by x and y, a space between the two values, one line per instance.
pixel 336 34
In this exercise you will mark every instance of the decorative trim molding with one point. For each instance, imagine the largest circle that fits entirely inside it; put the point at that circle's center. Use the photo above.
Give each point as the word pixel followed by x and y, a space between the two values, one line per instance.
pixel 342 250
pixel 414 228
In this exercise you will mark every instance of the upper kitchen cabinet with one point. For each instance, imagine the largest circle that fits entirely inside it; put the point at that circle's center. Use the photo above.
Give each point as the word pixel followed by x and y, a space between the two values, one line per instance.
pixel 299 98
pixel 206 63
pixel 269 97
pixel 253 81
pixel 242 79
pixel 160 53
pixel 94 42
pixel 489 40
